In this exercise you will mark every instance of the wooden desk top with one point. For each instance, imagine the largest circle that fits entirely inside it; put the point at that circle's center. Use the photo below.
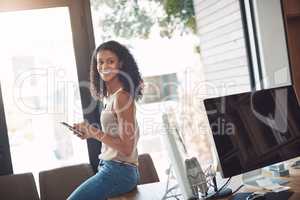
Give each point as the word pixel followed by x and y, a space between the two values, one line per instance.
pixel 155 191
pixel 151 191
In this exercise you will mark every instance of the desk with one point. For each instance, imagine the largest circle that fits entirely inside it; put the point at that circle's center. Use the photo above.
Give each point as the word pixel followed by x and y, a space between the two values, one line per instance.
pixel 150 191
pixel 294 183
pixel 155 191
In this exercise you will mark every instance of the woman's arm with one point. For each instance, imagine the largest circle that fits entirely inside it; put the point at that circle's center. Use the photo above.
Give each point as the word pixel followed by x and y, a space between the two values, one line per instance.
pixel 124 108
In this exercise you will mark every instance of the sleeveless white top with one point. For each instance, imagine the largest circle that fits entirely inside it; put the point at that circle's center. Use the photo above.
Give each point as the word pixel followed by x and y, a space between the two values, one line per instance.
pixel 110 126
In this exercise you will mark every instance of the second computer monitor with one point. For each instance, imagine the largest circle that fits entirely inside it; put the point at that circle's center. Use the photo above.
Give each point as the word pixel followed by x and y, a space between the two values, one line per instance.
pixel 255 129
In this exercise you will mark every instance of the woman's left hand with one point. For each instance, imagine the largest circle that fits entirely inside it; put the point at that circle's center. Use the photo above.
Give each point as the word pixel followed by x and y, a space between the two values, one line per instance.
pixel 86 130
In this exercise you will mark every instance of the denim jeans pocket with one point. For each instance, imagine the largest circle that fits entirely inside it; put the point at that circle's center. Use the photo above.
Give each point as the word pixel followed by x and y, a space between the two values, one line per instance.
pixel 101 163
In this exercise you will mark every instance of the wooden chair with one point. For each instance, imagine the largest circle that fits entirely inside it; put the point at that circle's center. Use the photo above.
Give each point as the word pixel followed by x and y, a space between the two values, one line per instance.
pixel 147 169
pixel 58 184
pixel 18 186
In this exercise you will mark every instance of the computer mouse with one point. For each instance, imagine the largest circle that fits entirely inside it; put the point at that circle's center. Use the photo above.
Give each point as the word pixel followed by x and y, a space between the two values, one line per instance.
pixel 256 196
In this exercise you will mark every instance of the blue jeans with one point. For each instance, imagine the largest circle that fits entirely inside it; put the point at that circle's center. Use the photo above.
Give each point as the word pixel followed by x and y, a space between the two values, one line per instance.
pixel 112 179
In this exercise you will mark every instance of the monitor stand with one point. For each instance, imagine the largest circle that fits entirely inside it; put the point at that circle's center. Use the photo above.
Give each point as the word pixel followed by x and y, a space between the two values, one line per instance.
pixel 251 178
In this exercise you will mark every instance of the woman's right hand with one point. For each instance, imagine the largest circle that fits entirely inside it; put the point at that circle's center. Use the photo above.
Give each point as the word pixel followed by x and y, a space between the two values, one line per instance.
pixel 84 130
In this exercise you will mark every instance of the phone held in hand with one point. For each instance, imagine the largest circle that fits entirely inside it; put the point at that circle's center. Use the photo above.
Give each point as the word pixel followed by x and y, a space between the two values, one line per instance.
pixel 71 128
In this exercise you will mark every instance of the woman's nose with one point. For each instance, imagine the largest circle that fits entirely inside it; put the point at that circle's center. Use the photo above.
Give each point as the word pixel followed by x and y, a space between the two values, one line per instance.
pixel 104 66
pixel 101 67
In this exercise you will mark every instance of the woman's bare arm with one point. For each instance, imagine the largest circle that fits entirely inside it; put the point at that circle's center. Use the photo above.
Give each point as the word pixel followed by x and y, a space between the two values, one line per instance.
pixel 124 109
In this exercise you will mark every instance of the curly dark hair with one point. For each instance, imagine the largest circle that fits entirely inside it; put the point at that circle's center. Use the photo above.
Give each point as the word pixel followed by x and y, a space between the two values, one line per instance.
pixel 129 67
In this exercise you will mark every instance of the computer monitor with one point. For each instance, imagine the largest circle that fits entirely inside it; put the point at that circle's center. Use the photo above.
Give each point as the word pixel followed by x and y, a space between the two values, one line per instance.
pixel 254 129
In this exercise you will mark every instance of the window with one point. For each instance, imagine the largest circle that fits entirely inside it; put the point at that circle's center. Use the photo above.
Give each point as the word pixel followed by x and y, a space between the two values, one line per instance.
pixel 40 89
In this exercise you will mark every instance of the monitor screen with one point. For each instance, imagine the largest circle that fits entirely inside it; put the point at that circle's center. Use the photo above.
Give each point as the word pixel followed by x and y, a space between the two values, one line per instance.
pixel 255 129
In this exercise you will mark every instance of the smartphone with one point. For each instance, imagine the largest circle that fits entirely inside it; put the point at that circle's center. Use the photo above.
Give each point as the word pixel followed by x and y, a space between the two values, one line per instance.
pixel 72 129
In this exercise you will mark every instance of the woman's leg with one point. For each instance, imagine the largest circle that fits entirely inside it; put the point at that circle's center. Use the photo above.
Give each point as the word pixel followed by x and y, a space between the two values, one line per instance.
pixel 125 178
pixel 111 180
pixel 94 188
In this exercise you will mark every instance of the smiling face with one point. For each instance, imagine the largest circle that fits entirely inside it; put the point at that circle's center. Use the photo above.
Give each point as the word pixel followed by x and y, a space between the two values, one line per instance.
pixel 108 65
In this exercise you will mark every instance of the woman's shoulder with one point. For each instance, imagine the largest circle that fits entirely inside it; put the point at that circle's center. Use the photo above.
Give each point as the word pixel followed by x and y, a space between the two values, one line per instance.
pixel 123 93
pixel 124 99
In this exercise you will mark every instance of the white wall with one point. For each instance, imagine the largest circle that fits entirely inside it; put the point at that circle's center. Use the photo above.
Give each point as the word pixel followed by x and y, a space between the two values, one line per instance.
pixel 222 46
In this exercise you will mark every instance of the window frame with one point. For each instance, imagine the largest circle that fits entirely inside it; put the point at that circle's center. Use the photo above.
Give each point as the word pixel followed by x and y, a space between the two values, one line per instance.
pixel 84 45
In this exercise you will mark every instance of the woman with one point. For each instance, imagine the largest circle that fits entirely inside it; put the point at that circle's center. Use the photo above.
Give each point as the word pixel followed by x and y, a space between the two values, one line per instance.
pixel 115 78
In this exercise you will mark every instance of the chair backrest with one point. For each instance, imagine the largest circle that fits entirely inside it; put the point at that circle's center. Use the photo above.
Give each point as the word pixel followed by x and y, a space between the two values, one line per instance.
pixel 58 184
pixel 147 169
pixel 18 186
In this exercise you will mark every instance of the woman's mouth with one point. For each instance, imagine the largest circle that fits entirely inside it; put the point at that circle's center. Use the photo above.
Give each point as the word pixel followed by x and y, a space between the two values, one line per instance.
pixel 105 71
